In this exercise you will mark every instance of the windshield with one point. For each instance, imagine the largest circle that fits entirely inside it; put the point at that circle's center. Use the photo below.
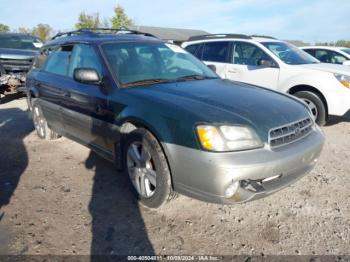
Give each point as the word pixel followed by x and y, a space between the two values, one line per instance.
pixel 290 54
pixel 346 50
pixel 151 63
pixel 15 41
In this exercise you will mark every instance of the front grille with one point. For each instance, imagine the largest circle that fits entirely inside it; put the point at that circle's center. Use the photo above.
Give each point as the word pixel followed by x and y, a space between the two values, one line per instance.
pixel 16 64
pixel 289 133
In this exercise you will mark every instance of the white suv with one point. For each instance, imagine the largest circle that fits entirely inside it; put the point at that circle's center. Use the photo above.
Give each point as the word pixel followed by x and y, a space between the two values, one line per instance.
pixel 278 65
pixel 329 54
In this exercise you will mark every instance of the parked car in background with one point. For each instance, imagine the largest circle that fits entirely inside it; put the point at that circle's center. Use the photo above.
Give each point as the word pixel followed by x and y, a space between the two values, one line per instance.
pixel 329 54
pixel 17 52
pixel 278 65
pixel 168 120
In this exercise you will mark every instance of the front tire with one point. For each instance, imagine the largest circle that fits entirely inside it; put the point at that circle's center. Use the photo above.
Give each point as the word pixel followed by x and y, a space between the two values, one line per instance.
pixel 42 129
pixel 315 104
pixel 147 168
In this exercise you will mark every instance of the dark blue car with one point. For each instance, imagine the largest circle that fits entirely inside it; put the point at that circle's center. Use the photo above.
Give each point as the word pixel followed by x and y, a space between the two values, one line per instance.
pixel 168 120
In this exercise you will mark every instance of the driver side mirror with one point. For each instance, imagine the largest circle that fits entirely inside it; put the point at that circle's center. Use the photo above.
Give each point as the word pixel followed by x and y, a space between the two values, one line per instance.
pixel 347 63
pixel 87 76
pixel 212 67
pixel 265 63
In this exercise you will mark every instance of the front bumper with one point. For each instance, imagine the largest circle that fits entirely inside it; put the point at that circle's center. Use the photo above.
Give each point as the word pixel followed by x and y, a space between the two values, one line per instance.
pixel 206 175
pixel 338 100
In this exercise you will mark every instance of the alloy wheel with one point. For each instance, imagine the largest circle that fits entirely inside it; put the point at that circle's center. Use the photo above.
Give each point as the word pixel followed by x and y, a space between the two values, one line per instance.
pixel 312 106
pixel 39 121
pixel 141 169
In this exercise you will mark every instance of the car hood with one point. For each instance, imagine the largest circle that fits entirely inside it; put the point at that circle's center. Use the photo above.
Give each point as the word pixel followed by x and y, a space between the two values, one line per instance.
pixel 9 53
pixel 224 101
pixel 331 68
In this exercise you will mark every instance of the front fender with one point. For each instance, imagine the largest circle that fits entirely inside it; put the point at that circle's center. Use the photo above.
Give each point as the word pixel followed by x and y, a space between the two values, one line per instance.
pixel 160 119
pixel 323 82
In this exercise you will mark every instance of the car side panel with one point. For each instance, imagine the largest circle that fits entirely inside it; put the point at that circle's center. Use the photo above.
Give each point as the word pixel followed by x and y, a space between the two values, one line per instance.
pixel 50 94
pixel 84 109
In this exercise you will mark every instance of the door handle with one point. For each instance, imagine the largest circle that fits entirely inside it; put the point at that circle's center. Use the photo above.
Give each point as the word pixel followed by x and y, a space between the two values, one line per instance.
pixel 232 70
pixel 98 109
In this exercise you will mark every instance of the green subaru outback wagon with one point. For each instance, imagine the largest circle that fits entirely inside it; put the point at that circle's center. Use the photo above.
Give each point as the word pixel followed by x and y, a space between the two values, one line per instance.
pixel 168 120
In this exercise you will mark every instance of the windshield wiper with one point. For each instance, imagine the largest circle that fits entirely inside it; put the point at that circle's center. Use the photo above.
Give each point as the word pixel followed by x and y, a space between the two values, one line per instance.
pixel 147 82
pixel 194 77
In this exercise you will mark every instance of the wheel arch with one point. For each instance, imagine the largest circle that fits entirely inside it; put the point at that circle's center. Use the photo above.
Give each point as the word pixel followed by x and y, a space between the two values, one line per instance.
pixel 309 88
pixel 130 124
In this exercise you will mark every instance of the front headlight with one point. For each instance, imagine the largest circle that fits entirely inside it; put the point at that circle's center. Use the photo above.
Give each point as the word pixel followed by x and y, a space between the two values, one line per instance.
pixel 227 138
pixel 343 79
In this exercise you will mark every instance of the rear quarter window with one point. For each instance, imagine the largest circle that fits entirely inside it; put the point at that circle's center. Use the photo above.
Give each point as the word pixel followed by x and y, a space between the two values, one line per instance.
pixel 192 48
pixel 40 59
pixel 58 60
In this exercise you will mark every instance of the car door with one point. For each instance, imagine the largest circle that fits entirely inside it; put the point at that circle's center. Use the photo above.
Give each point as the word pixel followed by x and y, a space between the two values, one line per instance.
pixel 244 66
pixel 50 81
pixel 217 53
pixel 84 110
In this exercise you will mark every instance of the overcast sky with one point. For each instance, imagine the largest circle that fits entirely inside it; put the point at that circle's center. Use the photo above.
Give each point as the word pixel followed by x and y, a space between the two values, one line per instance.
pixel 310 20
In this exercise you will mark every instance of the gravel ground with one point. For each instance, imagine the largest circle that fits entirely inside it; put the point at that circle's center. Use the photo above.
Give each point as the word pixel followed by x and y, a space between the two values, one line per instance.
pixel 60 198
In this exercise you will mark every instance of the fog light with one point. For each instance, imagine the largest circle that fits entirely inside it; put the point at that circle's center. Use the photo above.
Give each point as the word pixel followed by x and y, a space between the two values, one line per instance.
pixel 231 189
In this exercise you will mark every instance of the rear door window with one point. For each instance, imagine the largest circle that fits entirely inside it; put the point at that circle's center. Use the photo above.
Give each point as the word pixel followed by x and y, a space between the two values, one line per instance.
pixel 84 56
pixel 216 51
pixel 58 60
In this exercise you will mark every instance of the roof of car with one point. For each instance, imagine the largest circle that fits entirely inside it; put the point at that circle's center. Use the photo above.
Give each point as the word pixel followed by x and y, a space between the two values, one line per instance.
pixel 324 47
pixel 215 37
pixel 99 39
pixel 99 36
pixel 266 39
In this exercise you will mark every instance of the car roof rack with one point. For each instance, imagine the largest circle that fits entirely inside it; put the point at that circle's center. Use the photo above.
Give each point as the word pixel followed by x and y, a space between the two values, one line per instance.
pixel 97 31
pixel 264 36
pixel 216 36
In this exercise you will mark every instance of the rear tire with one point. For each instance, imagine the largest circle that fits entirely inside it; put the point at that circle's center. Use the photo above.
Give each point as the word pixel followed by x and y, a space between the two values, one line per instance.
pixel 148 169
pixel 42 129
pixel 316 105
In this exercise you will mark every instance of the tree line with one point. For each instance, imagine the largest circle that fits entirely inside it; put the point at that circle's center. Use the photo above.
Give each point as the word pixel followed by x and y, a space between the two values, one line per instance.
pixel 120 19
pixel 45 31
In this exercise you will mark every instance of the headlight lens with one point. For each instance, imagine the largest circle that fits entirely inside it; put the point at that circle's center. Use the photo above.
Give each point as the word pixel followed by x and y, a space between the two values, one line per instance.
pixel 227 138
pixel 344 79
pixel 210 138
